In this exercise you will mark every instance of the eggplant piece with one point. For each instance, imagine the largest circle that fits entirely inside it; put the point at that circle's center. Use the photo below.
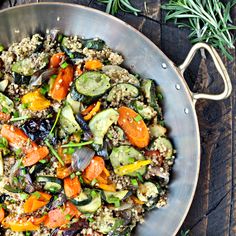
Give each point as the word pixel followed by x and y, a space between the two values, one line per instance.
pixel 51 184
pixel 35 169
pixel 56 201
pixel 21 79
pixel 94 43
pixel 38 130
pixel 84 126
pixel 3 197
pixel 101 150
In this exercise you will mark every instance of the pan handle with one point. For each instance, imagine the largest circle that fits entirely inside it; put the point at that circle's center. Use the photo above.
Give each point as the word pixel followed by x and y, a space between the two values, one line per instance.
pixel 219 66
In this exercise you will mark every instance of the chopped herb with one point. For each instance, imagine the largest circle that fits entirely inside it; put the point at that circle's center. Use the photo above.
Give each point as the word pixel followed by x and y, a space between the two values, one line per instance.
pixel 53 151
pixel 3 142
pixel 78 173
pixel 5 110
pixel 93 193
pixel 24 196
pixel 42 161
pixel 18 151
pixel 69 150
pixel 44 89
pixel 19 118
pixel 162 122
pixel 138 118
pixel 55 122
pixel 91 220
pixel 64 65
pixel 1 48
pixel 24 105
pixel 94 181
pixel 17 99
pixel 15 180
pixel 71 144
pixel 67 217
pixel 59 38
pixel 72 176
pixel 36 194
pixel 27 233
pixel 134 182
pixel 140 177
pixel 114 200
pixel 160 97
pixel 131 160
pixel 53 76
pixel 81 179
pixel 71 55
pixel 16 114
pixel 24 171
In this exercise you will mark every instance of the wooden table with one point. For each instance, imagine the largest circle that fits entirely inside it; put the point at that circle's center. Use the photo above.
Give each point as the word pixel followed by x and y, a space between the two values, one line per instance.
pixel 213 211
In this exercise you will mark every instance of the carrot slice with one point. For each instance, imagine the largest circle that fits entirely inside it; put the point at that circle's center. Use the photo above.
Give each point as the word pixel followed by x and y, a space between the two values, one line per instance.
pixel 36 201
pixel 72 187
pixel 39 220
pixel 88 109
pixel 35 155
pixel 136 131
pixel 93 112
pixel 61 216
pixel 17 138
pixel 56 59
pixel 2 214
pixel 93 65
pixel 95 168
pixel 62 83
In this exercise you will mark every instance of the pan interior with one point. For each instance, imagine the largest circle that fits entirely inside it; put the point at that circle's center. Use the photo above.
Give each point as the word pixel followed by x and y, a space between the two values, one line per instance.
pixel 145 58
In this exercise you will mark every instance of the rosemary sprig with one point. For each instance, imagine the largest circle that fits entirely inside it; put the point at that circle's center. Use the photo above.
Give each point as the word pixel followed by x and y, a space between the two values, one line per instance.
pixel 208 20
pixel 113 6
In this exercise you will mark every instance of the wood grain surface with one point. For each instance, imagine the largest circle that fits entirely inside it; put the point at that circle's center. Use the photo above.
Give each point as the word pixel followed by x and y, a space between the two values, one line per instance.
pixel 213 211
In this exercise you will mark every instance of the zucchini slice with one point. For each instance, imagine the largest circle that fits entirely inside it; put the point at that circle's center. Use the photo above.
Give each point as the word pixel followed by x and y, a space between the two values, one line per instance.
pixel 121 195
pixel 82 200
pixel 52 184
pixel 147 112
pixel 157 130
pixel 121 91
pixel 6 103
pixel 92 84
pixel 93 205
pixel 163 145
pixel 109 224
pixel 94 43
pixel 67 120
pixel 125 155
pixel 147 191
pixel 101 122
pixel 75 105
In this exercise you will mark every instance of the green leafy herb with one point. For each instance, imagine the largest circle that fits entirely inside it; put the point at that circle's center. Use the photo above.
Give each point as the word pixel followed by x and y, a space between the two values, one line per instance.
pixel 5 110
pixel 55 122
pixel 69 150
pixel 71 144
pixel 80 179
pixel 24 196
pixel 114 200
pixel 1 48
pixel 93 193
pixel 64 65
pixel 71 55
pixel 27 233
pixel 208 20
pixel 67 217
pixel 72 176
pixel 24 105
pixel 42 161
pixel 16 99
pixel 53 151
pixel 36 194
pixel 138 118
pixel 131 160
pixel 91 219
pixel 44 89
pixel 16 114
pixel 134 182
pixel 140 177
pixel 113 6
pixel 18 151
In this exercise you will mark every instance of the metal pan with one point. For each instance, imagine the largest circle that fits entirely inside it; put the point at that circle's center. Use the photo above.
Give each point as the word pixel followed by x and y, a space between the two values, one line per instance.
pixel 145 58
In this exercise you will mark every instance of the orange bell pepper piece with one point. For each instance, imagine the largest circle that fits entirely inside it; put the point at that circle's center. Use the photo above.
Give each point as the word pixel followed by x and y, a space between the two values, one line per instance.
pixel 66 158
pixel 36 201
pixel 63 172
pixel 2 214
pixel 72 187
pixel 93 65
pixel 62 83
pixel 136 200
pixel 39 220
pixel 61 216
pixel 56 59
pixel 93 112
pixel 107 187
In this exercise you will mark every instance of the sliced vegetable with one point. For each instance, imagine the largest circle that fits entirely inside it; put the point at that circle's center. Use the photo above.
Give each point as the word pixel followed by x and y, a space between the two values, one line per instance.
pixel 92 84
pixel 61 216
pixel 149 89
pixel 62 83
pixel 39 220
pixel 95 168
pixel 96 44
pixel 67 120
pixel 93 112
pixel 21 226
pixel 93 65
pixel 147 112
pixel 72 187
pixel 81 158
pixel 63 172
pixel 101 122
pixel 131 168
pixel 56 59
pixel 121 195
pixel 21 79
pixel 125 155
pixel 163 145
pixel 93 205
pixel 3 85
pixel 147 191
pixel 75 105
pixel 51 184
pixel 6 103
pixel 2 214
pixel 157 130
pixel 83 199
pixel 136 131
pixel 35 155
pixel 121 91
pixel 36 201
pixel 35 101
pixel 109 224
pixel 84 126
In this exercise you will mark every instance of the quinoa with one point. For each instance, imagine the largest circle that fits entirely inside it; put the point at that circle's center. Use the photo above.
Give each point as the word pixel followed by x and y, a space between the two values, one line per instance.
pixel 133 177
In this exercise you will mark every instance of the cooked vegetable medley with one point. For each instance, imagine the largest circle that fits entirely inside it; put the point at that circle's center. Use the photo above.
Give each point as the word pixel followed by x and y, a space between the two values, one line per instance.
pixel 83 146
